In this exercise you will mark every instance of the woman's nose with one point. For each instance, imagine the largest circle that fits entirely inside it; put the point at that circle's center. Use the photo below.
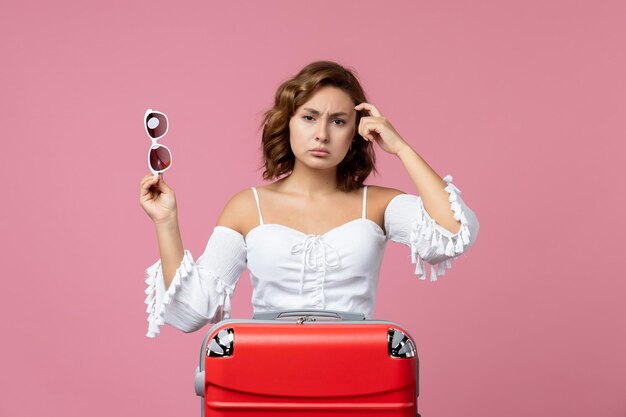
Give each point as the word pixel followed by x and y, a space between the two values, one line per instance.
pixel 322 134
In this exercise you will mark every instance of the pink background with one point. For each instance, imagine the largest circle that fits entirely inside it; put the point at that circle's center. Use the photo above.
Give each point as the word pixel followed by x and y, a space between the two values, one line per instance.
pixel 523 102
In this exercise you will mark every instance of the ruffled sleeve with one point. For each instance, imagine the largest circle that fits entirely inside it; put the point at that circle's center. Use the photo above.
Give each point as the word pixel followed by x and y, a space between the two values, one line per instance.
pixel 407 222
pixel 201 290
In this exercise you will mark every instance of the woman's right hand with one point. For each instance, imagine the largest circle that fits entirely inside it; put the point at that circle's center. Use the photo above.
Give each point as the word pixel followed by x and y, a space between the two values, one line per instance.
pixel 157 199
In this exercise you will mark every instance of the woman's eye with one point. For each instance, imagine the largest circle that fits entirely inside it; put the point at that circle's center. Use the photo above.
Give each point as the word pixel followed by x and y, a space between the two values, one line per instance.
pixel 310 118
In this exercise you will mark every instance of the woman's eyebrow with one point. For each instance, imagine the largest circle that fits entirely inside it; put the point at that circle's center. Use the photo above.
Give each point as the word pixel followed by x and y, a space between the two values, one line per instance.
pixel 315 112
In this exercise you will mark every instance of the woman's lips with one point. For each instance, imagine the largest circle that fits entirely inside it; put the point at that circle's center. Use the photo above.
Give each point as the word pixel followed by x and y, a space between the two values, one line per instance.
pixel 319 152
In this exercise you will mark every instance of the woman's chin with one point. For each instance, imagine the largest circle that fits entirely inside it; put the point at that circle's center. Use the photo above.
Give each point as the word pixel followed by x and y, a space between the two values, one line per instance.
pixel 320 164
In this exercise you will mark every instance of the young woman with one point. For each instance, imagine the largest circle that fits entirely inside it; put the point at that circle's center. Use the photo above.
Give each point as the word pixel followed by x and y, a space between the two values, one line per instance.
pixel 315 237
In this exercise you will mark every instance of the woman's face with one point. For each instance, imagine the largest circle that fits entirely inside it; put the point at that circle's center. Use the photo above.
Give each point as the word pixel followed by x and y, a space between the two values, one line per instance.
pixel 322 129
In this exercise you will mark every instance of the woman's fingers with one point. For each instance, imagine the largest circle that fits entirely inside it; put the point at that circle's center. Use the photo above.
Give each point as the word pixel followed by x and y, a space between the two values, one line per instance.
pixel 146 178
pixel 361 131
pixel 146 183
pixel 366 128
pixel 164 187
pixel 369 107
pixel 157 198
pixel 152 187
pixel 368 124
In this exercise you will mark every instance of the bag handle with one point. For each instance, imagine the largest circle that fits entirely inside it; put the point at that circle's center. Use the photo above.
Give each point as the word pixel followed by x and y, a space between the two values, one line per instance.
pixel 342 315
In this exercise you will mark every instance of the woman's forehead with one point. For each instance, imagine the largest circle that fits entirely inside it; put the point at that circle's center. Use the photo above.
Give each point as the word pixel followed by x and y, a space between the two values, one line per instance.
pixel 329 100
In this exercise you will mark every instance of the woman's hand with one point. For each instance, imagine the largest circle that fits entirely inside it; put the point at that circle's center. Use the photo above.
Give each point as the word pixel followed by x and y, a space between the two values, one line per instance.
pixel 157 199
pixel 377 128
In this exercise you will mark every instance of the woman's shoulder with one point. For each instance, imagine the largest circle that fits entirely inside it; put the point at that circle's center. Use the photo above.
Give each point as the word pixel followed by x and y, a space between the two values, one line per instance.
pixel 240 212
pixel 378 199
pixel 381 196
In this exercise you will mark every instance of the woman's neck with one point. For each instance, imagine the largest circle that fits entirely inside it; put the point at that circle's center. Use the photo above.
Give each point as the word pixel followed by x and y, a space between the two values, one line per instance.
pixel 310 182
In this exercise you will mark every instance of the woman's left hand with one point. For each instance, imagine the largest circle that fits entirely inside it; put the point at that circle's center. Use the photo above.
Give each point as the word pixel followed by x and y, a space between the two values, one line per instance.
pixel 377 128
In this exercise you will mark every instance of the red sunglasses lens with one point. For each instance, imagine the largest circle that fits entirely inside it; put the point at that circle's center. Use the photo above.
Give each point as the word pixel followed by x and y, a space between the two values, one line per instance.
pixel 160 158
pixel 156 124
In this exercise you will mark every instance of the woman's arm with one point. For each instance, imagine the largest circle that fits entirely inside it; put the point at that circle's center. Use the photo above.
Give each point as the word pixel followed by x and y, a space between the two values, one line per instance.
pixel 430 186
pixel 159 201
pixel 170 248
pixel 182 292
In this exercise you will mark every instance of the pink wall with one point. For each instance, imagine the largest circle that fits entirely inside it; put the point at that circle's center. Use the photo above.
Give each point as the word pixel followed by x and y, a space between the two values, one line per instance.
pixel 523 102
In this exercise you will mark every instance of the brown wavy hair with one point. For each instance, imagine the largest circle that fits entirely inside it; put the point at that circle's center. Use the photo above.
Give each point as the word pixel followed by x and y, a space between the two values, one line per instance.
pixel 278 159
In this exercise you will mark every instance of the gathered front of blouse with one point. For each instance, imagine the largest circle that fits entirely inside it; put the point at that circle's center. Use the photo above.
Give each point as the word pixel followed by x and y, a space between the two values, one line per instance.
pixel 289 269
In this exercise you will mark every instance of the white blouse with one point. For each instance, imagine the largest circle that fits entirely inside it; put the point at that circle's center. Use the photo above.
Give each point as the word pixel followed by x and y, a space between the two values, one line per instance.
pixel 293 270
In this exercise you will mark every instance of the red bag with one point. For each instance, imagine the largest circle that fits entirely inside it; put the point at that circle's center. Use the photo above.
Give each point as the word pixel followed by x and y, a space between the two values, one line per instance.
pixel 312 363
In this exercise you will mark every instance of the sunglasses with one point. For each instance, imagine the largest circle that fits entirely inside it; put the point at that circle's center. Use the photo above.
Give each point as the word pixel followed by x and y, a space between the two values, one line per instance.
pixel 159 156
